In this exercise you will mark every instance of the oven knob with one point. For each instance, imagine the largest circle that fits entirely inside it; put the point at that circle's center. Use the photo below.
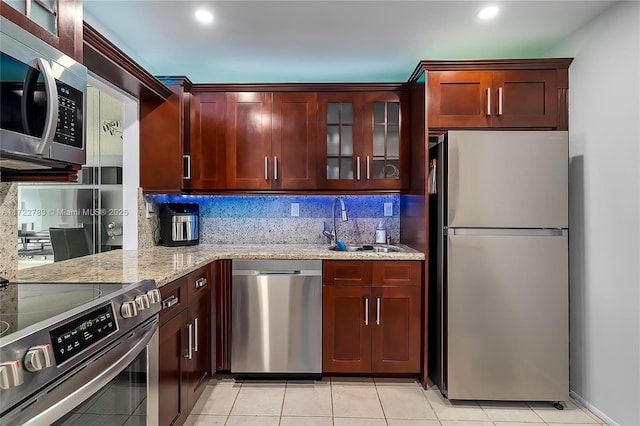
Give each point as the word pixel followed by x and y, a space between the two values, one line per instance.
pixel 10 374
pixel 38 358
pixel 142 302
pixel 128 309
pixel 154 296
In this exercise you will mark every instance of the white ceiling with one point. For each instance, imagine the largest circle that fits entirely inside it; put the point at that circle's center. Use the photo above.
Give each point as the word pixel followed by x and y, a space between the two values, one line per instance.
pixel 328 41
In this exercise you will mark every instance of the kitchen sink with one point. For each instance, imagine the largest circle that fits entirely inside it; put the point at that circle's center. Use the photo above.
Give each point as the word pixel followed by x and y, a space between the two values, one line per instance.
pixel 377 248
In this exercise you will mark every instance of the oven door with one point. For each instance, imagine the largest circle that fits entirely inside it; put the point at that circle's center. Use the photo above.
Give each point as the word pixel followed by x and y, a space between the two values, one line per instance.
pixel 117 386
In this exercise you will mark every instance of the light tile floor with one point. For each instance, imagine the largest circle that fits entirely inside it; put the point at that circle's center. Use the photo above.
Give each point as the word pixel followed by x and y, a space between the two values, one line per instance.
pixel 344 401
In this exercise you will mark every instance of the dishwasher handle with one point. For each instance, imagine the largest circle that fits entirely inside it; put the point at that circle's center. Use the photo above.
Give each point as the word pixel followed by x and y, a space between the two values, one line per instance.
pixel 299 272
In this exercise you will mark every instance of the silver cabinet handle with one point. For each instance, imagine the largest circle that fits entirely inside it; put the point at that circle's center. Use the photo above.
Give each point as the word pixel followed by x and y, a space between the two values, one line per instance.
pixel 201 282
pixel 366 311
pixel 488 101
pixel 358 168
pixel 169 302
pixel 499 100
pixel 275 168
pixel 187 162
pixel 195 335
pixel 51 120
pixel 377 311
pixel 190 342
pixel 266 168
pixel 368 169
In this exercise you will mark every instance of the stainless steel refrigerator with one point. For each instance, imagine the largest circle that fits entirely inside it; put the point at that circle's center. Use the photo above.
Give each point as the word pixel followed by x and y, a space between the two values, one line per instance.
pixel 499 317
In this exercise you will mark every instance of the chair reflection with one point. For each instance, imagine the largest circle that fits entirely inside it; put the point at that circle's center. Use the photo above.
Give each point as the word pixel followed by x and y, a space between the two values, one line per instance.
pixel 68 243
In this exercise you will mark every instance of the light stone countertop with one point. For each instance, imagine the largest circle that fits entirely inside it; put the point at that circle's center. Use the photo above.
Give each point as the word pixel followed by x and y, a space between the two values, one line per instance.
pixel 165 264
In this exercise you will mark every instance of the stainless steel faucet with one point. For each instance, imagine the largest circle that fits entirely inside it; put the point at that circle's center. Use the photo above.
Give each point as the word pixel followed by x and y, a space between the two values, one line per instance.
pixel 333 235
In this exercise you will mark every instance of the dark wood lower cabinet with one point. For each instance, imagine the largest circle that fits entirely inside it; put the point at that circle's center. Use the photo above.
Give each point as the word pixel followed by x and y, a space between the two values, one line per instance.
pixel 172 397
pixel 373 328
pixel 184 345
pixel 346 341
pixel 395 337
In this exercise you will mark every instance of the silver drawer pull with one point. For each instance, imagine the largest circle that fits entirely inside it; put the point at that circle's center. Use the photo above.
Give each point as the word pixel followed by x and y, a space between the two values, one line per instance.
pixel 169 302
pixel 201 282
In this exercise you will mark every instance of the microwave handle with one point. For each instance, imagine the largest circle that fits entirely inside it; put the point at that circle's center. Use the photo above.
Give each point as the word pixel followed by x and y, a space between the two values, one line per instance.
pixel 51 120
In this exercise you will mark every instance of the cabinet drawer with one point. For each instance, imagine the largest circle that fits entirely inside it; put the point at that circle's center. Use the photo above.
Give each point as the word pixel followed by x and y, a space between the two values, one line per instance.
pixel 397 272
pixel 356 272
pixel 174 299
pixel 199 282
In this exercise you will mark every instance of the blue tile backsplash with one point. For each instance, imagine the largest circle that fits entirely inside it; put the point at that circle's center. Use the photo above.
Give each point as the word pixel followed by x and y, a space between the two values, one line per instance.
pixel 267 218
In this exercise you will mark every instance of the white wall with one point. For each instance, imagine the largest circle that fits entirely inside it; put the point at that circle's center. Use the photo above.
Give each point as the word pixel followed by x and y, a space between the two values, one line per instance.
pixel 604 132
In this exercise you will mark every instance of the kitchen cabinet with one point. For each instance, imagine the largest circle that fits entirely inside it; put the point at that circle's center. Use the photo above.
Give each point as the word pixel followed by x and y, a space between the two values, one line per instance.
pixel 58 23
pixel 207 141
pixel 222 315
pixel 184 344
pixel 362 140
pixel 496 98
pixel 164 140
pixel 293 140
pixel 372 316
pixel 248 142
pixel 270 140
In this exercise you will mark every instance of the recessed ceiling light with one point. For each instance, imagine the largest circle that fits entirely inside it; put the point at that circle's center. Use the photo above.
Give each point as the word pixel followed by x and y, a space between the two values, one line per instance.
pixel 488 12
pixel 204 16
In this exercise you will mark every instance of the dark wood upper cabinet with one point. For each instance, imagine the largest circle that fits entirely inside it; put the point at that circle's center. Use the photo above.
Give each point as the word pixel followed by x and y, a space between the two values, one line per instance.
pixel 164 141
pixel 340 140
pixel 386 140
pixel 293 140
pixel 519 98
pixel 249 159
pixel 514 93
pixel 61 26
pixel 207 142
pixel 363 140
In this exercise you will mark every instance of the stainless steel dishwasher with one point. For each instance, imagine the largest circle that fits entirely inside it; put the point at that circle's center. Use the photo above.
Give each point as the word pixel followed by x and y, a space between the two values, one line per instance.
pixel 276 317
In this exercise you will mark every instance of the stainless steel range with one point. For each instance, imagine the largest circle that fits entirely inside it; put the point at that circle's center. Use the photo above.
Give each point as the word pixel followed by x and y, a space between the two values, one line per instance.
pixel 79 352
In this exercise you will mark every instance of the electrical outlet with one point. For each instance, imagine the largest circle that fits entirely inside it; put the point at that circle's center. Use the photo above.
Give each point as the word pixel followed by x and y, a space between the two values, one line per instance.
pixel 149 210
pixel 295 209
pixel 388 209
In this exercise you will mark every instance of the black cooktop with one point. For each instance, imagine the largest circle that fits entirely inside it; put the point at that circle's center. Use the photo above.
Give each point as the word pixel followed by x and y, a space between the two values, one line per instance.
pixel 26 304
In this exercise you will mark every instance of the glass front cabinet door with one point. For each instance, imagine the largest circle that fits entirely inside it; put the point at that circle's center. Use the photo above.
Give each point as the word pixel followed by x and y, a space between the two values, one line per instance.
pixel 362 140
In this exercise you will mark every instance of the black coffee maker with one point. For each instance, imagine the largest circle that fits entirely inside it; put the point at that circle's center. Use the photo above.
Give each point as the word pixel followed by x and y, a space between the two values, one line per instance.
pixel 179 224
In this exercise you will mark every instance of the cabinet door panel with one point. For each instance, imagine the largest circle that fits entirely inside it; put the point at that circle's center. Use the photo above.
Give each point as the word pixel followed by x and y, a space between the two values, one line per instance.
pixel 161 144
pixel 386 140
pixel 248 140
pixel 346 337
pixel 395 339
pixel 208 135
pixel 200 362
pixel 527 98
pixel 397 272
pixel 294 140
pixel 340 140
pixel 347 272
pixel 459 99
pixel 171 364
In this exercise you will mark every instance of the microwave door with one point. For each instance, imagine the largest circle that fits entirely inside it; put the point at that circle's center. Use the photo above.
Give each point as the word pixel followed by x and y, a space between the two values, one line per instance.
pixel 31 107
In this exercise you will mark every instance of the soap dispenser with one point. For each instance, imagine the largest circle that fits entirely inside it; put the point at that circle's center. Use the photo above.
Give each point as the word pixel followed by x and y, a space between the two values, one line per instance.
pixel 381 233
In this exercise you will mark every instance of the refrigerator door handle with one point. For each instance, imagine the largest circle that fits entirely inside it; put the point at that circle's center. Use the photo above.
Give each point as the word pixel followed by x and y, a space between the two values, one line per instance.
pixel 506 232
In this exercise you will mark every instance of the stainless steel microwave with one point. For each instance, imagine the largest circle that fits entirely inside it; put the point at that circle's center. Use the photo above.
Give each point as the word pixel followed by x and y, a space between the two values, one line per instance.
pixel 43 103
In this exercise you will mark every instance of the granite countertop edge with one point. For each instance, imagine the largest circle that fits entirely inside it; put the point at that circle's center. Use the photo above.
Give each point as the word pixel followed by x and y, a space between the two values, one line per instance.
pixel 166 264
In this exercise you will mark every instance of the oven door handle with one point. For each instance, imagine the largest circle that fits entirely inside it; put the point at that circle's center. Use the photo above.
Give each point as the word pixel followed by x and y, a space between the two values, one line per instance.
pixel 83 383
